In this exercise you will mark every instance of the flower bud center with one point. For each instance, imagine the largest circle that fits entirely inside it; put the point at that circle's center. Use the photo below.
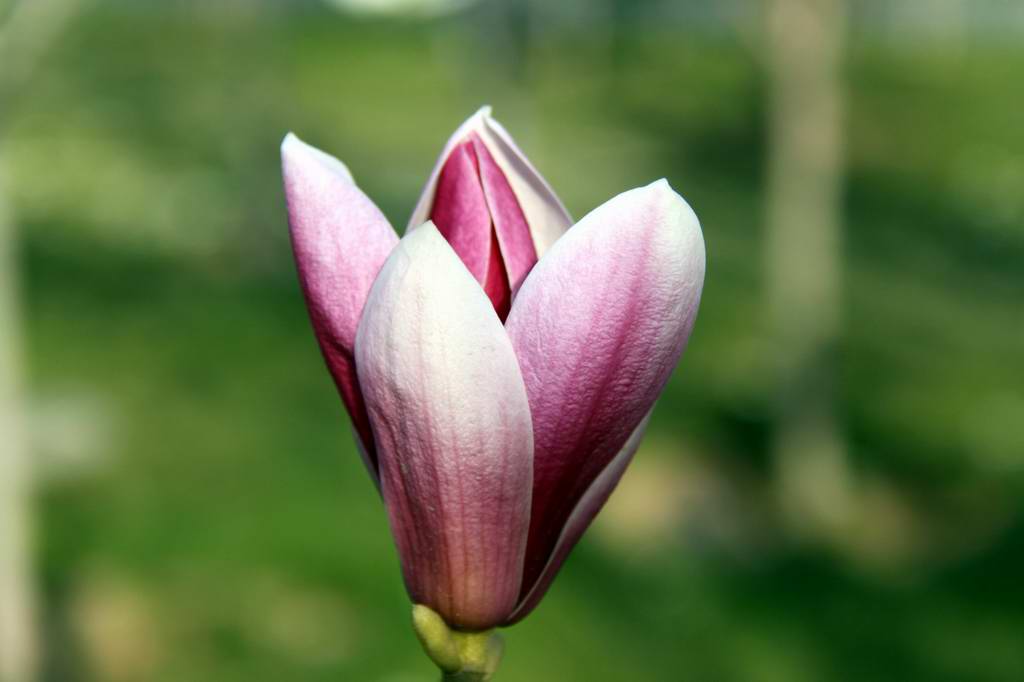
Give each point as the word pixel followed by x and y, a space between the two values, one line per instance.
pixel 476 210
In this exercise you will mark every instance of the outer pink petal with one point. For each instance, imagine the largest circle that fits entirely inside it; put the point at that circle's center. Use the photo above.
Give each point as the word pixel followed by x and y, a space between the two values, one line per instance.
pixel 544 213
pixel 454 438
pixel 598 326
pixel 340 239
pixel 586 509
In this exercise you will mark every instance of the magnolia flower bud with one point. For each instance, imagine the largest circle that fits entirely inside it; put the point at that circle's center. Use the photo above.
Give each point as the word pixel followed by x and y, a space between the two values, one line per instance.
pixel 498 366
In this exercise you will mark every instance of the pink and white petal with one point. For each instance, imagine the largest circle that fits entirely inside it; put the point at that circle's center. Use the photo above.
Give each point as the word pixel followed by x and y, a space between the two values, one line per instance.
pixel 544 212
pixel 340 240
pixel 598 327
pixel 586 509
pixel 454 437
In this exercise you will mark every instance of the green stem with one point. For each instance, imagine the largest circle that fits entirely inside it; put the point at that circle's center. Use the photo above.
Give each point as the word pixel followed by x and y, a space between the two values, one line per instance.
pixel 461 656
pixel 464 677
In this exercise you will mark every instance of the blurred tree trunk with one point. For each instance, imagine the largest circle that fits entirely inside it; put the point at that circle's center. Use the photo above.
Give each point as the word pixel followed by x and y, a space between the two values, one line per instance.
pixel 28 30
pixel 805 166
pixel 17 618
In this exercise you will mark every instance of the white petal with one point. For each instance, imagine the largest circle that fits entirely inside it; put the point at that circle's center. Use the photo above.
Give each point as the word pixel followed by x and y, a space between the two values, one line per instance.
pixel 453 430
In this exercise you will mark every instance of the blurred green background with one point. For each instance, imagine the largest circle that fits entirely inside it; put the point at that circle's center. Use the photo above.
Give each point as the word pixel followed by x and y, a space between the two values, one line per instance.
pixel 198 510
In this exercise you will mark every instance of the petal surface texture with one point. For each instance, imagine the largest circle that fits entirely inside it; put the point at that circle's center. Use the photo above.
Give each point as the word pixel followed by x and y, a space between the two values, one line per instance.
pixel 452 421
pixel 544 213
pixel 598 327
pixel 340 240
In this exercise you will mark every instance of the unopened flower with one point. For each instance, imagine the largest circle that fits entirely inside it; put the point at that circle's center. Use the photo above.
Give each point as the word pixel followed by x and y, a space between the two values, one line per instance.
pixel 499 363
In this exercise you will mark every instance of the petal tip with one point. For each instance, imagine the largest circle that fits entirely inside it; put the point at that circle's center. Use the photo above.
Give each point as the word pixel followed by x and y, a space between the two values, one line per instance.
pixel 427 230
pixel 425 243
pixel 662 191
pixel 479 121
pixel 295 151
pixel 292 145
pixel 289 139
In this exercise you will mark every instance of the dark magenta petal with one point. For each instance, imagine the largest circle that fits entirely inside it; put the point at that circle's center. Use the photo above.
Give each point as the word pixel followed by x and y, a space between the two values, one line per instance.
pixel 544 213
pixel 492 206
pixel 460 211
pixel 463 217
pixel 518 253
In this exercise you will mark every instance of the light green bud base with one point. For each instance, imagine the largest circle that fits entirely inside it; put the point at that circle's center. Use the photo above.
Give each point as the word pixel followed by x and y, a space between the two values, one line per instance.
pixel 461 656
